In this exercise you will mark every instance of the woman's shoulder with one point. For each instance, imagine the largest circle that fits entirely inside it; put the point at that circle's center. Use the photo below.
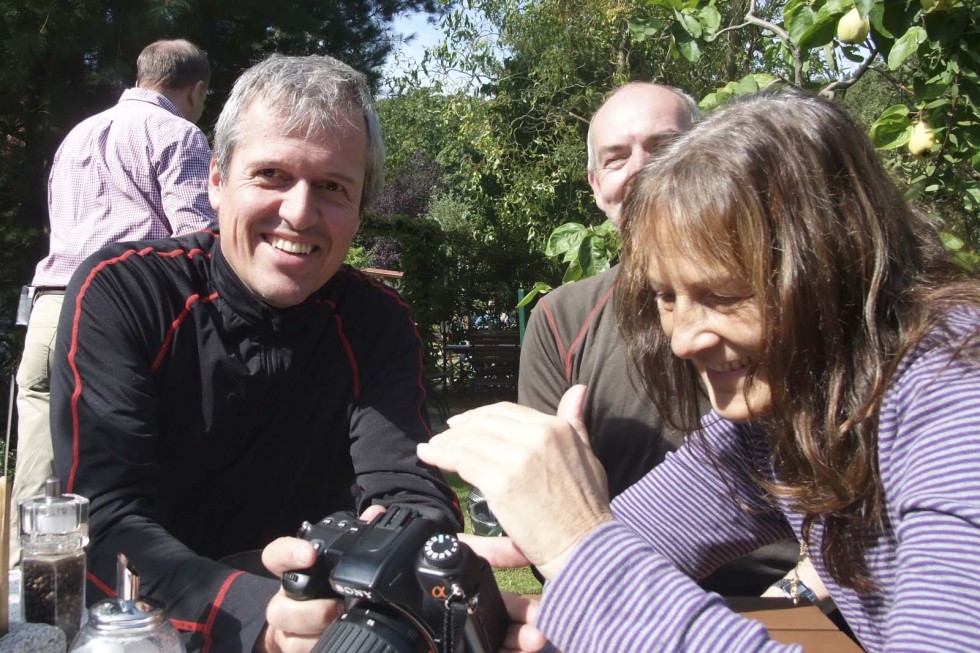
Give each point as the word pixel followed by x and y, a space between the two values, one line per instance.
pixel 948 353
pixel 955 335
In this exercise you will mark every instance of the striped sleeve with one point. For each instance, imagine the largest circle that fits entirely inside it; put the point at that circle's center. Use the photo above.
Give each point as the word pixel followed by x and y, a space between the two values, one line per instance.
pixel 619 596
pixel 699 508
pixel 629 585
pixel 929 438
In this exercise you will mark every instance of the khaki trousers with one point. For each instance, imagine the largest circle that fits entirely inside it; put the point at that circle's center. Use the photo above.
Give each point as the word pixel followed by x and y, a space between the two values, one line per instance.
pixel 34 453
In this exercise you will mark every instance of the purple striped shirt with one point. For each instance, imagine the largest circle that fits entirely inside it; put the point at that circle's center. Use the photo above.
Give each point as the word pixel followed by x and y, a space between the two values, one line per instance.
pixel 136 171
pixel 628 588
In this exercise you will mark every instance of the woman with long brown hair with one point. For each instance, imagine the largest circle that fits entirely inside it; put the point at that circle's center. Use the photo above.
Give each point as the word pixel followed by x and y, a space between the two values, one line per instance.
pixel 770 263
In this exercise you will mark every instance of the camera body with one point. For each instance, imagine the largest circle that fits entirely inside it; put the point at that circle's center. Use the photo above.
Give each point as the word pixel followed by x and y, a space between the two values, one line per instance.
pixel 407 586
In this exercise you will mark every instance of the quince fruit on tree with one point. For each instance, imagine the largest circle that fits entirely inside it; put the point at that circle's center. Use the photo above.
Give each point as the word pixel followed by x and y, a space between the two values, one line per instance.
pixel 851 28
pixel 922 139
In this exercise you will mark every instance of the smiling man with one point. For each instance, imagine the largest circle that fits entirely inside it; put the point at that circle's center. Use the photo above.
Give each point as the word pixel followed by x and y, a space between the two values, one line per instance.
pixel 211 392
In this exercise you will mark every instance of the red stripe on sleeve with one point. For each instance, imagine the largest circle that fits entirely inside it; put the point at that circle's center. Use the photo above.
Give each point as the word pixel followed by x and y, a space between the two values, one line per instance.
pixel 215 608
pixel 73 347
pixel 420 378
pixel 351 358
pixel 188 305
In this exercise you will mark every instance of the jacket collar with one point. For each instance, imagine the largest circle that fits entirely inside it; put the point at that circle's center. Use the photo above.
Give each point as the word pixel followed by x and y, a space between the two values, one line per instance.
pixel 244 306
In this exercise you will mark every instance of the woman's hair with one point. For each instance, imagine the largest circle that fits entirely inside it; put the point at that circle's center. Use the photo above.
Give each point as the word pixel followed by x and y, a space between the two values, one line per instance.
pixel 313 96
pixel 787 194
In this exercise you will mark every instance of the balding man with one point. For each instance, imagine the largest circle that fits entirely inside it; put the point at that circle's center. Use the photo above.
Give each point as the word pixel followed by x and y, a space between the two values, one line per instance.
pixel 573 335
pixel 136 171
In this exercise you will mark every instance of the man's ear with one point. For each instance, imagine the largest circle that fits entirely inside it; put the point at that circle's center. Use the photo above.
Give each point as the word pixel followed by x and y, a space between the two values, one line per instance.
pixel 214 184
pixel 199 93
pixel 594 184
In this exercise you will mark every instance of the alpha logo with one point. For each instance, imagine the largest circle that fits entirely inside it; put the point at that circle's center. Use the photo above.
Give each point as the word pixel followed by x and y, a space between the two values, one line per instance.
pixel 439 592
pixel 357 593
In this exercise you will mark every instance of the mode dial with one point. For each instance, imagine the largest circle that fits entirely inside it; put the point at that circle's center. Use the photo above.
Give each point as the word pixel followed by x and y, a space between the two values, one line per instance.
pixel 442 550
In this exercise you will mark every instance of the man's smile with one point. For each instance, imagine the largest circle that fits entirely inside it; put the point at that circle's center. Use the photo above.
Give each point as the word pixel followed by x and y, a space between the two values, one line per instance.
pixel 290 246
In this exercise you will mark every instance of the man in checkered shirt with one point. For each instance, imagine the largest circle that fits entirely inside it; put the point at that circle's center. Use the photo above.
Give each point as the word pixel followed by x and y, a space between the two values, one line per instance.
pixel 136 171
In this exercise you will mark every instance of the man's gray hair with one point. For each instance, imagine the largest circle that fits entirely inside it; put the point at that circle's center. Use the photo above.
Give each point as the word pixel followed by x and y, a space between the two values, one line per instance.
pixel 171 65
pixel 693 112
pixel 312 95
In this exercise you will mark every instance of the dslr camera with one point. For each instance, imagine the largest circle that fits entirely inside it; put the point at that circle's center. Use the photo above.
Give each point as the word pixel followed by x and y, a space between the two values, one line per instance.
pixel 408 588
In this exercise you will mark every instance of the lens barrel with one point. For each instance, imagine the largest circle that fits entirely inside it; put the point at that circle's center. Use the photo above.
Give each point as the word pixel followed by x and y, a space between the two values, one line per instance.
pixel 368 630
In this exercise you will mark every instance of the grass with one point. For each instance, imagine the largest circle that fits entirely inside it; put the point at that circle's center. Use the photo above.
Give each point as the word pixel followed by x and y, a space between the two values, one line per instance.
pixel 519 581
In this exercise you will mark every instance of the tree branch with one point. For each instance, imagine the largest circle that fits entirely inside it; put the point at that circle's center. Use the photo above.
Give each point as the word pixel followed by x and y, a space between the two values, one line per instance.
pixel 894 82
pixel 828 90
pixel 752 19
pixel 731 28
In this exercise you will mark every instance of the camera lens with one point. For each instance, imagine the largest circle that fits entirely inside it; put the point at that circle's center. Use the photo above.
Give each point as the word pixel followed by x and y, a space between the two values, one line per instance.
pixel 369 630
pixel 482 519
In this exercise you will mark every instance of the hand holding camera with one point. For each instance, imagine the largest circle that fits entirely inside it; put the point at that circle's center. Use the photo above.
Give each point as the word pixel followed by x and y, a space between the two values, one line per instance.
pixel 406 586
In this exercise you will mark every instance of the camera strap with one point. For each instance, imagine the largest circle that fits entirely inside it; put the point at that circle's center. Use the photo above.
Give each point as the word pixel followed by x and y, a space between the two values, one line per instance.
pixel 453 620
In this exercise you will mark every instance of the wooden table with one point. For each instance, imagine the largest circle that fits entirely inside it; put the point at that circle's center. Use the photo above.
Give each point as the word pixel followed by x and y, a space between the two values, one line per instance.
pixel 802 624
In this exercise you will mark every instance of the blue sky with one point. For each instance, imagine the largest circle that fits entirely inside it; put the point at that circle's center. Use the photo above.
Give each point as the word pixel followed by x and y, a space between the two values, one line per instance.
pixel 425 35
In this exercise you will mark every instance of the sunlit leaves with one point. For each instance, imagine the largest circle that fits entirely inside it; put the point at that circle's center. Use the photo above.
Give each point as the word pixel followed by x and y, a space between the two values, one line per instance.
pixel 891 129
pixel 905 46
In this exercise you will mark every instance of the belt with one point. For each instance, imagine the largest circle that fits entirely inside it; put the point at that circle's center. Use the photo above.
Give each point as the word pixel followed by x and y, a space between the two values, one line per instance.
pixel 41 292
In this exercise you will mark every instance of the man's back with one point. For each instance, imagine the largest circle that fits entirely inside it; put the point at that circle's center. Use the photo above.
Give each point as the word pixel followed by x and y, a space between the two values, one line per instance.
pixel 573 338
pixel 133 172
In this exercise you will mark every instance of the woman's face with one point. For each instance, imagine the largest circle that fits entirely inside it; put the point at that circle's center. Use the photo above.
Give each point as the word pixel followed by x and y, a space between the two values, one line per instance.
pixel 712 320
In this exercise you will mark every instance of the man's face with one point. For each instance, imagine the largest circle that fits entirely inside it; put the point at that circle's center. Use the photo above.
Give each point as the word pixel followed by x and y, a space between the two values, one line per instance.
pixel 632 125
pixel 288 207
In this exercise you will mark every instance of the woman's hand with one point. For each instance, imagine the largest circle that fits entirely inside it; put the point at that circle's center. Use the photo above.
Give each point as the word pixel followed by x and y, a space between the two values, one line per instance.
pixel 537 471
pixel 522 636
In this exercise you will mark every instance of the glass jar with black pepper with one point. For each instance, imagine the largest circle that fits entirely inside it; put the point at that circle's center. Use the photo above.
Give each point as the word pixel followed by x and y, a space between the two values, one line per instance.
pixel 53 535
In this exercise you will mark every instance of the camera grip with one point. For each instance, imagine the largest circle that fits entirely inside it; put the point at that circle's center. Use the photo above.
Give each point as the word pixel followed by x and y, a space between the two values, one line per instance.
pixel 310 583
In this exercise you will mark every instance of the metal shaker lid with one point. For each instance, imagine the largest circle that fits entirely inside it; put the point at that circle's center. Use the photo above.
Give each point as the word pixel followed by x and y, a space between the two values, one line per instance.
pixel 128 611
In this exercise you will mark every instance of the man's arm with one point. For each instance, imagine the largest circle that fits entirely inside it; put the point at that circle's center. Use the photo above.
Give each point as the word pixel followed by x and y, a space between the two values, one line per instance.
pixel 104 413
pixel 182 173
pixel 390 416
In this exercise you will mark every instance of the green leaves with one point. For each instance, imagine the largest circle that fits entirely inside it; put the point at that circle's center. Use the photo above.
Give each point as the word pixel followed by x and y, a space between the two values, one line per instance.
pixel 906 46
pixel 962 256
pixel 746 86
pixel 891 129
pixel 586 250
pixel 513 144
pixel 640 30
pixel 693 24
pixel 813 29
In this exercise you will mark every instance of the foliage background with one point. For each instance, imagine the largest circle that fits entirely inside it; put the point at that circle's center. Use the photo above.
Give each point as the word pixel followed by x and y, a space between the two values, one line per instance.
pixel 486 133
pixel 67 59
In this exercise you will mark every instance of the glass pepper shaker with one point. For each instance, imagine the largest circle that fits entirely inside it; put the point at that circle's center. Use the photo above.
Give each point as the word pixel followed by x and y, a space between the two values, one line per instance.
pixel 127 623
pixel 53 535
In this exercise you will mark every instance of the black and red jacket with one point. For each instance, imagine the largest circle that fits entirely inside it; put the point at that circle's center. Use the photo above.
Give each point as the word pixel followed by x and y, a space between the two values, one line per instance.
pixel 200 422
